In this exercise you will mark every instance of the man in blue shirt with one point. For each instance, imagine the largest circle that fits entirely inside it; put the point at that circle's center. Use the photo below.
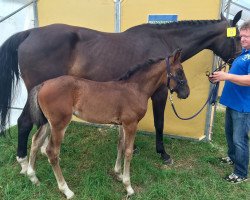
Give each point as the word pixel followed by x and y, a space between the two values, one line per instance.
pixel 236 98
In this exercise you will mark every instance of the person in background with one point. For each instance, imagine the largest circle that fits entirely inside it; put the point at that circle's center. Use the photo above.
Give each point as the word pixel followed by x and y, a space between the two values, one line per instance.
pixel 236 97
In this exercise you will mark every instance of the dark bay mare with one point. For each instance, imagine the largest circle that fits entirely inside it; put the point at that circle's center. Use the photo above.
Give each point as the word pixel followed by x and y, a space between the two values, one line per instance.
pixel 123 102
pixel 51 51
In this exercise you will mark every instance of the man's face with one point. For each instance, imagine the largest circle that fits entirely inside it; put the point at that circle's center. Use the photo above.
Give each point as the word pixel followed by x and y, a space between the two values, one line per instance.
pixel 245 38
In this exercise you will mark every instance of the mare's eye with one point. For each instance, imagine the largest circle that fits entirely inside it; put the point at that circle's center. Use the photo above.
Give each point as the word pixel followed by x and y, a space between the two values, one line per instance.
pixel 238 37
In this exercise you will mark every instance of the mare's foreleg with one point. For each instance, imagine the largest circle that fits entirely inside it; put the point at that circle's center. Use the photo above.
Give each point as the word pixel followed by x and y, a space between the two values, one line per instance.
pixel 120 149
pixel 129 137
pixel 24 127
pixel 37 141
pixel 159 99
pixel 53 151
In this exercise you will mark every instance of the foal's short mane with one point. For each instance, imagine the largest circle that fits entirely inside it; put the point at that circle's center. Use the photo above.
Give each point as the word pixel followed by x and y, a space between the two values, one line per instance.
pixel 139 67
pixel 179 23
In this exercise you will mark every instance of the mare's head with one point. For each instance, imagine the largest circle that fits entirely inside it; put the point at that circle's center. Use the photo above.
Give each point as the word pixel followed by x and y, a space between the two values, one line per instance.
pixel 176 79
pixel 226 47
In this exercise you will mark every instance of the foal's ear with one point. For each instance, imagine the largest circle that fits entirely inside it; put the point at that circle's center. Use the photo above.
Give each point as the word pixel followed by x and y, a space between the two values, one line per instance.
pixel 176 55
pixel 236 19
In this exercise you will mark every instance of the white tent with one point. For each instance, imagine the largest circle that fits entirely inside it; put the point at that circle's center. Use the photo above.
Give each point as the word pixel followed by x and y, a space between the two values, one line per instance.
pixel 231 7
pixel 22 20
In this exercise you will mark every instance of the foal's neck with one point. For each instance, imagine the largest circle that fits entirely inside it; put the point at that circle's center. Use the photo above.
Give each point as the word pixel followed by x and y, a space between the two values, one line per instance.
pixel 147 81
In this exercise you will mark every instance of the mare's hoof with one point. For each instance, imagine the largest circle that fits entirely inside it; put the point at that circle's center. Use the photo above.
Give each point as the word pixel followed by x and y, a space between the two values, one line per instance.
pixel 24 164
pixel 168 161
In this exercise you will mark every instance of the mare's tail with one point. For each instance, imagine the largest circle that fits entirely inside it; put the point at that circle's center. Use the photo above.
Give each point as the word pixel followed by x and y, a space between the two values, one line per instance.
pixel 9 74
pixel 36 113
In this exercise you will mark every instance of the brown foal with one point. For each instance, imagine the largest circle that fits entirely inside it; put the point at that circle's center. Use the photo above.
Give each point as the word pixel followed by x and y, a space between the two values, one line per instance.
pixel 122 102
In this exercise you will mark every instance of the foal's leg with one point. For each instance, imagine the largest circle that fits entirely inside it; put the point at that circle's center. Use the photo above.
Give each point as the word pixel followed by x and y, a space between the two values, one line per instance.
pixel 24 127
pixel 37 141
pixel 53 151
pixel 159 102
pixel 129 137
pixel 46 141
pixel 44 146
pixel 120 149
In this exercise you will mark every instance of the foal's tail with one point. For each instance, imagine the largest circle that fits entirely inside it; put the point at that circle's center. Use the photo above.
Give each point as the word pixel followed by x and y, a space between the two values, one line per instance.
pixel 9 74
pixel 36 113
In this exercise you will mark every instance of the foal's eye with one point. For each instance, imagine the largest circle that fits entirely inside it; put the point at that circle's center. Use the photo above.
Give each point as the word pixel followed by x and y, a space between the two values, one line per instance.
pixel 179 72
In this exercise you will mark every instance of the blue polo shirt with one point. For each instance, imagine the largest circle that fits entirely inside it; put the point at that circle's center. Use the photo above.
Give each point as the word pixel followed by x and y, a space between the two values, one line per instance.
pixel 235 96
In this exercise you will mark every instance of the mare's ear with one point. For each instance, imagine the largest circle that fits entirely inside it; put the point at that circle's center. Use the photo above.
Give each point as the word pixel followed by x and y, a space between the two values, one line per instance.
pixel 177 55
pixel 236 19
pixel 222 17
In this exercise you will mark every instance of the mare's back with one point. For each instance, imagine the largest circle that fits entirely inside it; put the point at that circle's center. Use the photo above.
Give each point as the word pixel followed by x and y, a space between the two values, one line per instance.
pixel 61 49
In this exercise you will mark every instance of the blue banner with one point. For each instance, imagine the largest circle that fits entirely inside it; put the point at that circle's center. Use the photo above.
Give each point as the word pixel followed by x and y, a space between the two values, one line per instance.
pixel 161 19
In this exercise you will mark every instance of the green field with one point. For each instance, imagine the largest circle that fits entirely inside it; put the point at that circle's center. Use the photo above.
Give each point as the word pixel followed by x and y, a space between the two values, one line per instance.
pixel 88 156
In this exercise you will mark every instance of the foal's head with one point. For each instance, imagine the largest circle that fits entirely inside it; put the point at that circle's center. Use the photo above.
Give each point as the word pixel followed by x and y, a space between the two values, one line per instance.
pixel 176 79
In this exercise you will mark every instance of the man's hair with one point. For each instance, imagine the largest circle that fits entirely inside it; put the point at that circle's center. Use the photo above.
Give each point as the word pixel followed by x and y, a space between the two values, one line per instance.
pixel 245 25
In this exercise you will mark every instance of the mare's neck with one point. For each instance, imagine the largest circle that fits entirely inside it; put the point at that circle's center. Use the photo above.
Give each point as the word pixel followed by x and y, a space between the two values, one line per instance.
pixel 191 37
pixel 194 38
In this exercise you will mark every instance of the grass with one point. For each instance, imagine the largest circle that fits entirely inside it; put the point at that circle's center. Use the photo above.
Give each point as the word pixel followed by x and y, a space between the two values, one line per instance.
pixel 88 155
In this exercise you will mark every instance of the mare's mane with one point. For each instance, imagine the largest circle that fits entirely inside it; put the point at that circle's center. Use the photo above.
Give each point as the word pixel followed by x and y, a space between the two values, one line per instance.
pixel 174 24
pixel 139 67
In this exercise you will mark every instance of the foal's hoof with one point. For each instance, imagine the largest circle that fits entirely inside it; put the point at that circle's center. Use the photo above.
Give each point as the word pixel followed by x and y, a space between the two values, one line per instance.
pixel 136 150
pixel 35 180
pixel 32 176
pixel 119 177
pixel 130 191
pixel 37 183
pixel 23 171
pixel 69 195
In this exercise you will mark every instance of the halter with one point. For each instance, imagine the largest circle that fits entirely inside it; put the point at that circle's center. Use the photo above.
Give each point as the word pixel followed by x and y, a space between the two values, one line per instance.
pixel 170 76
pixel 211 97
pixel 234 51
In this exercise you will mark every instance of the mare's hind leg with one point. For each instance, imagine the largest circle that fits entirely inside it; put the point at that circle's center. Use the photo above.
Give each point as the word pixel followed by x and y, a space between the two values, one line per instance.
pixel 120 149
pixel 37 141
pixel 129 137
pixel 159 102
pixel 24 127
pixel 53 151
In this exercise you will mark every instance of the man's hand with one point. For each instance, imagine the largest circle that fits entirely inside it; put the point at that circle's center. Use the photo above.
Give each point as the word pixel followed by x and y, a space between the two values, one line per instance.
pixel 243 80
pixel 219 76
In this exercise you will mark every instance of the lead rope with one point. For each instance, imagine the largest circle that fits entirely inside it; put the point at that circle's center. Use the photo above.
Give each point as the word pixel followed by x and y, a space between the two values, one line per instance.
pixel 193 116
pixel 213 93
